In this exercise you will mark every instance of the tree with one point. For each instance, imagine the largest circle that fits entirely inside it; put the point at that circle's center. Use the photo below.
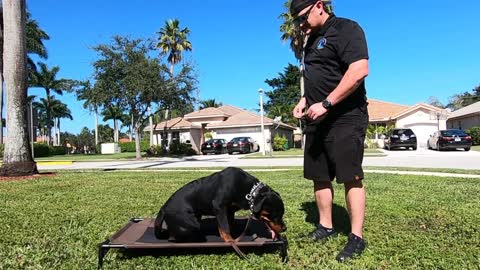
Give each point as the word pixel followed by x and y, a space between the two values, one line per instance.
pixel 113 113
pixel 209 103
pixel 435 102
pixel 462 100
pixel 34 45
pixel 17 158
pixel 285 94
pixel 173 41
pixel 92 101
pixel 46 78
pixel 290 32
pixel 128 78
pixel 59 110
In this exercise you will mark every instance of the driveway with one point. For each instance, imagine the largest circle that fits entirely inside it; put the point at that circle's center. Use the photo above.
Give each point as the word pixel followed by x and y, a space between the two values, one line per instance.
pixel 420 158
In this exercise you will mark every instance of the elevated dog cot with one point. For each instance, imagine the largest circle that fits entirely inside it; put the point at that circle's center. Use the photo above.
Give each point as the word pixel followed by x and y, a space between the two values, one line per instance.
pixel 138 235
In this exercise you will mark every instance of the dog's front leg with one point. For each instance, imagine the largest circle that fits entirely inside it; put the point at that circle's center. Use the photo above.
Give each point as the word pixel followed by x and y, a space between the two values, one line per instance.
pixel 223 226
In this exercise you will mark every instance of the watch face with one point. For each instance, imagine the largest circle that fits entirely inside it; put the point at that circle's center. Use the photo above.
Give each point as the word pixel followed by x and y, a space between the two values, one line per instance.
pixel 326 104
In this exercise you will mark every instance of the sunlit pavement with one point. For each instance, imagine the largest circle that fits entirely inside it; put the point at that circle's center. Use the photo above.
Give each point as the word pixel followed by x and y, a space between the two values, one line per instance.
pixel 421 158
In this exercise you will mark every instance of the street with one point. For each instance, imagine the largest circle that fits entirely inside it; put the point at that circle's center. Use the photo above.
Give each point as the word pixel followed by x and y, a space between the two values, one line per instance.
pixel 420 158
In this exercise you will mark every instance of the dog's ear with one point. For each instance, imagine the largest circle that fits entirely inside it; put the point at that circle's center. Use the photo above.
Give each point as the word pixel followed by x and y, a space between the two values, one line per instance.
pixel 257 206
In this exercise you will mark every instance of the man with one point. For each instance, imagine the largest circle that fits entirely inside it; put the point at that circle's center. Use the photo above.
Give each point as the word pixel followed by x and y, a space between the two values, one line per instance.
pixel 335 108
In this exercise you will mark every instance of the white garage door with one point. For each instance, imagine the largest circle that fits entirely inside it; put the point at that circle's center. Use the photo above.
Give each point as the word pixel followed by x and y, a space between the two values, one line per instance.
pixel 423 132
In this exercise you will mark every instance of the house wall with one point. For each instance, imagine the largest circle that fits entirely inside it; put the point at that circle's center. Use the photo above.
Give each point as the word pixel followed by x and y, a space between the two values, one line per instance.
pixel 422 123
pixel 464 123
pixel 195 139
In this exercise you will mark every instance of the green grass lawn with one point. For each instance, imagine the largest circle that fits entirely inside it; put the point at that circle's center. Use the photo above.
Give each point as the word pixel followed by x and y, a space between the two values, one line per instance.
pixel 476 148
pixel 413 222
pixel 82 157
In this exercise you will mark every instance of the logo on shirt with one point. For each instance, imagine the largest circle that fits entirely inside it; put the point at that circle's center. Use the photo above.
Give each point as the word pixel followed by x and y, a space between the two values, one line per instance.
pixel 322 43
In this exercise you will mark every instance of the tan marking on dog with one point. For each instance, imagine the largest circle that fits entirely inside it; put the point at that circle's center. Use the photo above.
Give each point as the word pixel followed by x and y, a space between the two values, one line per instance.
pixel 225 236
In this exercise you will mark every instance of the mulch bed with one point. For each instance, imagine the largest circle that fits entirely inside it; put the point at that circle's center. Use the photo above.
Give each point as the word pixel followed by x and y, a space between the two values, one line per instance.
pixel 27 177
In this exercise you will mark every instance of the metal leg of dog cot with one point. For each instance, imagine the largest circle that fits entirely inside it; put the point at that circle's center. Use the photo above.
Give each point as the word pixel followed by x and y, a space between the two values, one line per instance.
pixel 102 251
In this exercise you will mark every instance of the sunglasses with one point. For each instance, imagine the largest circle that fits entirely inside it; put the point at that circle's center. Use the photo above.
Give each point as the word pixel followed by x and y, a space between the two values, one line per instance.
pixel 302 18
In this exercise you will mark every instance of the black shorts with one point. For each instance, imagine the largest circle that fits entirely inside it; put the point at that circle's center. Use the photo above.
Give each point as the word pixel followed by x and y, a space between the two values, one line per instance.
pixel 334 149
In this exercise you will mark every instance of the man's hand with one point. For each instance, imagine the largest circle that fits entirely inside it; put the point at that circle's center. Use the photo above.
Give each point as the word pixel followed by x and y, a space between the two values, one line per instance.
pixel 315 111
pixel 298 110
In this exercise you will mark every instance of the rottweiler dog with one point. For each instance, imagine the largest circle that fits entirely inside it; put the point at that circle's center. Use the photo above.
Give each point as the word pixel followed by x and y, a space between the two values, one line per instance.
pixel 221 195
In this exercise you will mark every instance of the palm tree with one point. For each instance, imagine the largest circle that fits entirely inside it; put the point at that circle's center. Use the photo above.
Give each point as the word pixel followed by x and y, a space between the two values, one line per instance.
pixel 173 41
pixel 46 78
pixel 113 113
pixel 91 102
pixel 34 42
pixel 290 32
pixel 17 158
pixel 59 110
pixel 209 103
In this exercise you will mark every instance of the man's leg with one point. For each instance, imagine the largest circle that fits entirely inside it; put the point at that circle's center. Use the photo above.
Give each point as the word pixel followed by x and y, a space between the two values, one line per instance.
pixel 324 199
pixel 355 197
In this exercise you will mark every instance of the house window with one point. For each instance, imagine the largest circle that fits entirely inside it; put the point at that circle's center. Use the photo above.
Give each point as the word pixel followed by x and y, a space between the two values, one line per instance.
pixel 176 136
pixel 164 137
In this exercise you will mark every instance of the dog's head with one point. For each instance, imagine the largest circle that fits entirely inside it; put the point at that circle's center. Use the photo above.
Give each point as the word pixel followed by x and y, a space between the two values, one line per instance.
pixel 268 207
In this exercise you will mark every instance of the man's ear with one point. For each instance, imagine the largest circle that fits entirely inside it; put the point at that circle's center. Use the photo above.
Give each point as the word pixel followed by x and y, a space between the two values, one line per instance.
pixel 257 206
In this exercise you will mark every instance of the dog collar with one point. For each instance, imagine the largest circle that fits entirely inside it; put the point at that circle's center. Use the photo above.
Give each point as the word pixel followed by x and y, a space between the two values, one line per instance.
pixel 253 193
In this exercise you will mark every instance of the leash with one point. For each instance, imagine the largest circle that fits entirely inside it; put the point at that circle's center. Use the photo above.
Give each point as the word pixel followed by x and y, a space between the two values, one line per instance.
pixel 234 243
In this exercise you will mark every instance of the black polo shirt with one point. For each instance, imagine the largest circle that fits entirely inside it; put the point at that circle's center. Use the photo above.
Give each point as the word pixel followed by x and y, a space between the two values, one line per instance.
pixel 328 53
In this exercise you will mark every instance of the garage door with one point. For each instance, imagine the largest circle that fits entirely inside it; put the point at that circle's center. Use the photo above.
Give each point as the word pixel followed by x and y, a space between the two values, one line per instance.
pixel 423 132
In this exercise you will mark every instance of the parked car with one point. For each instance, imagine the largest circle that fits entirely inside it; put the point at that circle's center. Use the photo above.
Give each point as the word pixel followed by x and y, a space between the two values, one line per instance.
pixel 216 146
pixel 449 139
pixel 242 145
pixel 401 137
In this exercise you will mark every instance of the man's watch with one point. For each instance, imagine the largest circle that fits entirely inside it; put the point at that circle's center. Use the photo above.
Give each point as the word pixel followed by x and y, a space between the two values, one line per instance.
pixel 327 104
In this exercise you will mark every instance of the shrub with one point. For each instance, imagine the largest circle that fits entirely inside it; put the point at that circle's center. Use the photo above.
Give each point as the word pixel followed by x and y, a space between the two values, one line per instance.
pixel 177 148
pixel 56 150
pixel 130 146
pixel 41 150
pixel 475 133
pixel 280 143
pixel 156 151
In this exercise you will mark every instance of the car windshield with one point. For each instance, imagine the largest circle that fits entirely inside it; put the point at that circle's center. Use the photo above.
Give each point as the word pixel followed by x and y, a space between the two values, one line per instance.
pixel 210 141
pixel 240 139
pixel 453 132
pixel 400 132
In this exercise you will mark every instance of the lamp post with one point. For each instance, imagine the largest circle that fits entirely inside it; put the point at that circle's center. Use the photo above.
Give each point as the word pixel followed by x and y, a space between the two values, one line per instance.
pixel 438 120
pixel 150 122
pixel 260 91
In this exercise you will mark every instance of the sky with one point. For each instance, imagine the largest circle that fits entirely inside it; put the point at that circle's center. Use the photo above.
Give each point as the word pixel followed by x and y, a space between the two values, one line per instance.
pixel 417 49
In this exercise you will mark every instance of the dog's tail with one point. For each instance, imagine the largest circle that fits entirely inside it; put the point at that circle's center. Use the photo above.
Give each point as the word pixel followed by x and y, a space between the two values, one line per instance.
pixel 160 225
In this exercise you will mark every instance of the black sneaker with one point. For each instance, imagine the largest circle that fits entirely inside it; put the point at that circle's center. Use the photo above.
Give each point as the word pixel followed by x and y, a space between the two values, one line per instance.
pixel 354 247
pixel 322 233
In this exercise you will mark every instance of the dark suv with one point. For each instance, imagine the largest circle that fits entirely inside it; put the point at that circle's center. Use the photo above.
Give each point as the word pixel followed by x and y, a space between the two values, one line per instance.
pixel 401 137
pixel 216 146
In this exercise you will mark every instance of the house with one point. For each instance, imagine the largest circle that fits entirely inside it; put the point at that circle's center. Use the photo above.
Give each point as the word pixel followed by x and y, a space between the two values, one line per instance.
pixel 422 118
pixel 225 122
pixel 465 117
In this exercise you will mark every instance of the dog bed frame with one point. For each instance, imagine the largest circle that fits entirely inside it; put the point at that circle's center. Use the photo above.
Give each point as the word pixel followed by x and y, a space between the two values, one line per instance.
pixel 138 235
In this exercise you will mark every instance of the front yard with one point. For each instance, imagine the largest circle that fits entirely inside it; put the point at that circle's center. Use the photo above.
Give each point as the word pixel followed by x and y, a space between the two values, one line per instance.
pixel 413 222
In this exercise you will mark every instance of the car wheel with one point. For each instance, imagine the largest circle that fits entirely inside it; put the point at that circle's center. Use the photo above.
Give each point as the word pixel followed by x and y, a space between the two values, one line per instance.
pixel 467 148
pixel 203 153
pixel 414 148
pixel 428 146
pixel 230 153
pixel 438 147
